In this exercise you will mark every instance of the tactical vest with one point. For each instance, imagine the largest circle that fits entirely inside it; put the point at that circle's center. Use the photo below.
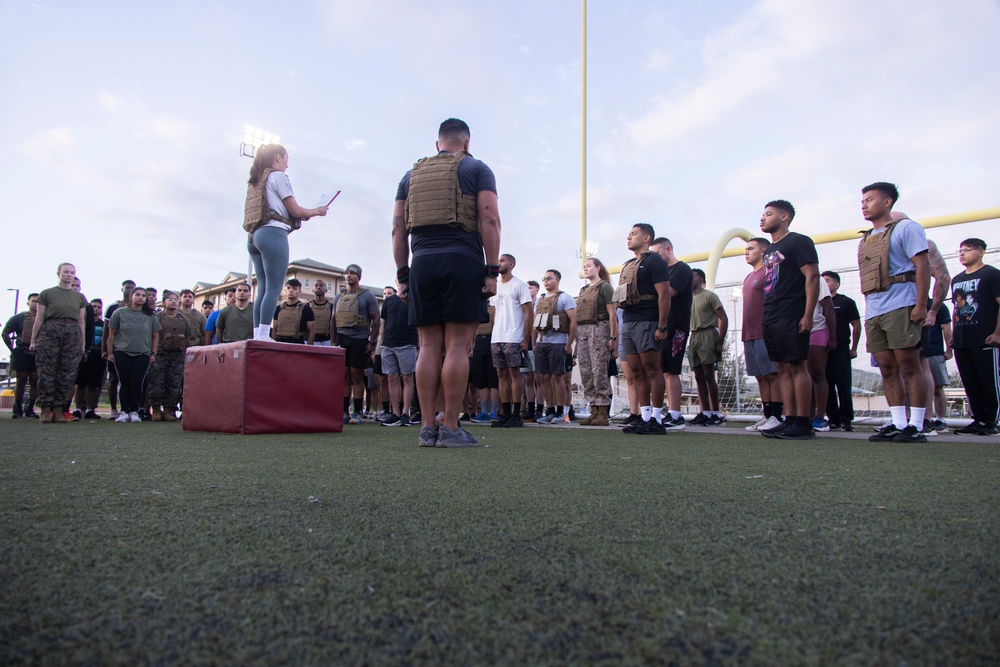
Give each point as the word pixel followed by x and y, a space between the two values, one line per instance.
pixel 627 293
pixel 322 312
pixel 486 328
pixel 287 325
pixel 257 212
pixel 173 334
pixel 24 338
pixel 547 318
pixel 590 306
pixel 435 196
pixel 349 313
pixel 873 262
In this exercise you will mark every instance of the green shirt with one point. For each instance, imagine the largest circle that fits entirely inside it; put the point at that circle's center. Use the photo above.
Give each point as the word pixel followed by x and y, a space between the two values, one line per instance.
pixel 134 331
pixel 62 303
pixel 236 324
pixel 704 305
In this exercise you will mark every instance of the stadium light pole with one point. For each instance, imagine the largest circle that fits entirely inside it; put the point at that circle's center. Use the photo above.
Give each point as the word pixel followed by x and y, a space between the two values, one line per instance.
pixel 17 296
pixel 254 138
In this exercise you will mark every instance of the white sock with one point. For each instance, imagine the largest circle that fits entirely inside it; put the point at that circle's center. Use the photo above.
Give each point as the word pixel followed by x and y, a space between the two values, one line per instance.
pixel 917 417
pixel 675 414
pixel 898 413
pixel 255 330
pixel 647 412
pixel 716 413
pixel 658 414
pixel 707 413
pixel 263 332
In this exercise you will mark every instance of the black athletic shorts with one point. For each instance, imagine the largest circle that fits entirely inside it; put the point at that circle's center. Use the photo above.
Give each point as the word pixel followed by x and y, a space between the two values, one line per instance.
pixel 355 351
pixel 91 373
pixel 784 342
pixel 377 364
pixel 22 361
pixel 484 375
pixel 672 351
pixel 446 287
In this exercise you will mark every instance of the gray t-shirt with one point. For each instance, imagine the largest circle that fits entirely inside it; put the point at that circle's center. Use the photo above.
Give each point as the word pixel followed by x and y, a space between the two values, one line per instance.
pixel 134 331
pixel 367 303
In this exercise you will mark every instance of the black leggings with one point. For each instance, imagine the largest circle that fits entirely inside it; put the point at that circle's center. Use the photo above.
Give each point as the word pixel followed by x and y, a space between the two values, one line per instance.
pixel 131 375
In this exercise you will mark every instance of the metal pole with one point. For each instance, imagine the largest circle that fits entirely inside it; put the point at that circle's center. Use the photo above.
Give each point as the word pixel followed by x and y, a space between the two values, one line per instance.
pixel 17 296
pixel 583 189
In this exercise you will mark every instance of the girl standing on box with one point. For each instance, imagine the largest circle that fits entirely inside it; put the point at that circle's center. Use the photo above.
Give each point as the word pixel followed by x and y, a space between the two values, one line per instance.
pixel 133 338
pixel 57 340
pixel 270 214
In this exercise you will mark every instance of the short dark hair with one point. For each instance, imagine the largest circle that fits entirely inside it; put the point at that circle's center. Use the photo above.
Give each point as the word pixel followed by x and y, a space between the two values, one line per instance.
pixel 700 273
pixel 887 189
pixel 761 242
pixel 831 274
pixel 978 244
pixel 151 289
pixel 782 205
pixel 453 128
pixel 207 302
pixel 167 293
pixel 293 282
pixel 187 291
pixel 646 229
pixel 128 282
pixel 230 290
pixel 33 294
pixel 534 283
pixel 389 287
pixel 662 239
pixel 510 257
pixel 555 273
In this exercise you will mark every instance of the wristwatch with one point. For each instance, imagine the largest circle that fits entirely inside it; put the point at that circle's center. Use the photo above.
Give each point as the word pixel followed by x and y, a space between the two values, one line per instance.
pixel 662 329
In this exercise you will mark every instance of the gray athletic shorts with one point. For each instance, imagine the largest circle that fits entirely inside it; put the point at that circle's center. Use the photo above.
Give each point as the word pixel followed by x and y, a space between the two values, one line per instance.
pixel 550 358
pixel 638 337
pixel 399 360
pixel 757 361
pixel 939 370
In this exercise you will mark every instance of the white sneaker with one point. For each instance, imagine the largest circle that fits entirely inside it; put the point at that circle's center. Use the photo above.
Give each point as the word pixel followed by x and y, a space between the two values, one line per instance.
pixel 122 418
pixel 114 414
pixel 772 422
pixel 133 417
pixel 756 427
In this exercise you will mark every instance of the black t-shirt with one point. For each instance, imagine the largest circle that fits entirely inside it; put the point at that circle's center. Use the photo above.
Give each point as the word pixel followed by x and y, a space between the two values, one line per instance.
pixel 398 331
pixel 784 282
pixel 680 304
pixel 846 310
pixel 652 270
pixel 974 299
pixel 932 338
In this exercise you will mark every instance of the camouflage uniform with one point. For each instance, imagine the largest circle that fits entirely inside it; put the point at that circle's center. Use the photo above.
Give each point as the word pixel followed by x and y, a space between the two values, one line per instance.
pixel 166 379
pixel 58 351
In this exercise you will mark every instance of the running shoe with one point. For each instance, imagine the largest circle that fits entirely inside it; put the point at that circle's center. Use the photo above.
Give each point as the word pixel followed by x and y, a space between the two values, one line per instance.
pixel 134 418
pixel 699 419
pixel 971 429
pixel 886 434
pixel 671 424
pixel 756 426
pixel 427 437
pixel 391 420
pixel 122 418
pixel 821 425
pixel 909 434
pixel 458 438
pixel 481 418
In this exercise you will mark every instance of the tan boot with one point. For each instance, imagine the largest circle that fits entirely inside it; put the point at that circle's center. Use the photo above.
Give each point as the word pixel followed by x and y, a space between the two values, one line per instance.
pixel 589 421
pixel 601 416
pixel 169 415
pixel 46 417
pixel 157 414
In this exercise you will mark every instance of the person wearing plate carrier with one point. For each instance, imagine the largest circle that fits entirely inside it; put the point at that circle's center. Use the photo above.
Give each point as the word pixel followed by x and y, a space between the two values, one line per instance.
pixel 21 361
pixel 555 331
pixel 596 339
pixel 446 213
pixel 294 320
pixel 355 328
pixel 323 313
pixel 167 371
pixel 643 293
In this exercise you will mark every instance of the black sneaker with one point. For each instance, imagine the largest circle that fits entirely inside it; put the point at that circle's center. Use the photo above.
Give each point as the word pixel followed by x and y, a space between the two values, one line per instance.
pixel 90 414
pixel 773 432
pixel 928 429
pixel 988 429
pixel 909 434
pixel 465 417
pixel 886 434
pixel 835 426
pixel 971 429
pixel 78 414
pixel 939 425
pixel 392 420
pixel 847 426
pixel 671 424
pixel 715 420
pixel 800 430
pixel 500 421
pixel 699 419
pixel 514 421
pixel 635 428
pixel 652 427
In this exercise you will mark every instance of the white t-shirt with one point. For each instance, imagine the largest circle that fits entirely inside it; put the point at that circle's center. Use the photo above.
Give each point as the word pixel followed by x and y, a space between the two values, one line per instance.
pixel 277 189
pixel 508 324
pixel 819 320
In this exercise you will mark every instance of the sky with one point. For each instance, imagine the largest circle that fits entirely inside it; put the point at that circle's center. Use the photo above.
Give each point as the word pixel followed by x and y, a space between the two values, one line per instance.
pixel 124 121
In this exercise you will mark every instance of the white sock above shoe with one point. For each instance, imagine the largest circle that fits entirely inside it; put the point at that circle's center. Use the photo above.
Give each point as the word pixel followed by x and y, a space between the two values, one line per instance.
pixel 263 332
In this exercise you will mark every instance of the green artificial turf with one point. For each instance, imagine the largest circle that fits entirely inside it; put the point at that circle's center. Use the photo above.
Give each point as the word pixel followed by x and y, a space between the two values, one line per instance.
pixel 141 544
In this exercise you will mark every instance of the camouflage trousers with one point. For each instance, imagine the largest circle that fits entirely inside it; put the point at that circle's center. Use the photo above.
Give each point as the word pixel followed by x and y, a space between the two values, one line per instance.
pixel 58 351
pixel 592 354
pixel 166 379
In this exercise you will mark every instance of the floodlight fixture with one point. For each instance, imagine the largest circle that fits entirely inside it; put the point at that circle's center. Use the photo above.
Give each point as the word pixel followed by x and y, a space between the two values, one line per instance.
pixel 254 138
pixel 591 247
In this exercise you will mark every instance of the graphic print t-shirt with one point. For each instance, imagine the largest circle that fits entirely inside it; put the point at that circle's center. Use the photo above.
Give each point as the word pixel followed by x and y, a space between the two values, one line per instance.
pixel 784 282
pixel 974 304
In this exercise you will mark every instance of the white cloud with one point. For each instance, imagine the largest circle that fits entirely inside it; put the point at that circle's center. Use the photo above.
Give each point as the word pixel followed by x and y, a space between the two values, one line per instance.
pixel 356 144
pixel 657 61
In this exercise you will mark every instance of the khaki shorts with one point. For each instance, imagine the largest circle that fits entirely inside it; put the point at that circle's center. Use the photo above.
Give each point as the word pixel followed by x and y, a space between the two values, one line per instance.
pixel 701 347
pixel 892 331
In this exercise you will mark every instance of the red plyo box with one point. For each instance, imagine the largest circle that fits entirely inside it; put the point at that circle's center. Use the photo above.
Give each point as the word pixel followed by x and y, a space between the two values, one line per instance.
pixel 257 386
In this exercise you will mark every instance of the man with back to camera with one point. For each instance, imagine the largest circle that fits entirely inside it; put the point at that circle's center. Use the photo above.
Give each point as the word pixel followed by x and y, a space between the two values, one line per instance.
pixel 895 277
pixel 791 291
pixel 455 242
pixel 356 325
pixel 678 329
pixel 839 376
pixel 975 294
pixel 643 292
pixel 758 362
